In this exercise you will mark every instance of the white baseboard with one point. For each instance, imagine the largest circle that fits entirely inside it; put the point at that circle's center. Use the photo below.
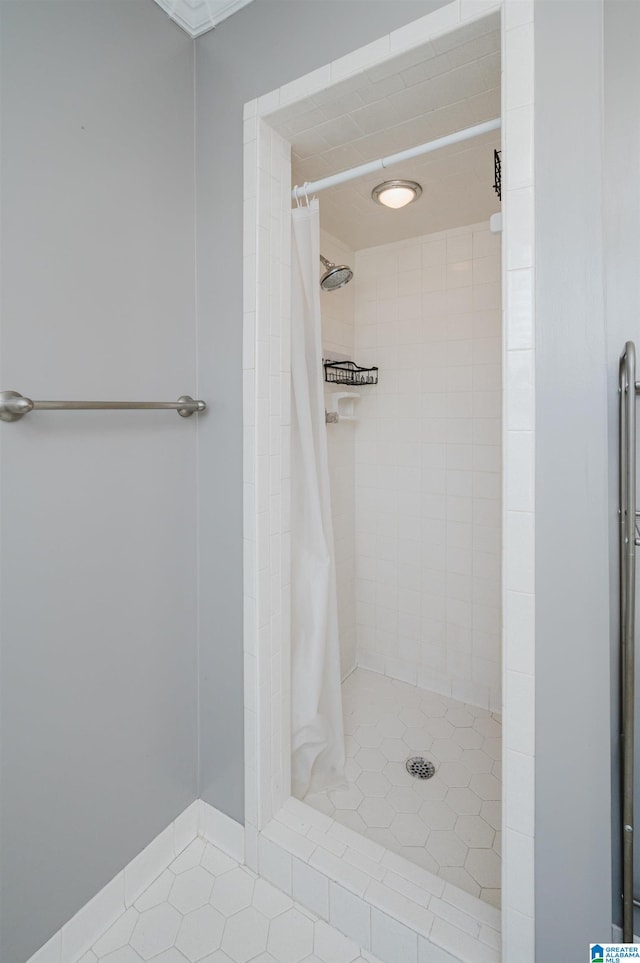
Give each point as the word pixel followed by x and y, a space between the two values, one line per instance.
pixel 221 830
pixel 96 916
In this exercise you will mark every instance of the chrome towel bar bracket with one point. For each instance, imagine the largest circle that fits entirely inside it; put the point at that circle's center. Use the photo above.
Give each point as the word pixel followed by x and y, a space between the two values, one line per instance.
pixel 14 406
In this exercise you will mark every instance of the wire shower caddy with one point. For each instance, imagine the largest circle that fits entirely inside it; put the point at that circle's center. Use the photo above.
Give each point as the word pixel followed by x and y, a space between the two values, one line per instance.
pixel 349 373
pixel 497 173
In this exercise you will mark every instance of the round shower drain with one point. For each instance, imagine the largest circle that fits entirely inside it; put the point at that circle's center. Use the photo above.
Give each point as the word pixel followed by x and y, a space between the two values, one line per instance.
pixel 420 767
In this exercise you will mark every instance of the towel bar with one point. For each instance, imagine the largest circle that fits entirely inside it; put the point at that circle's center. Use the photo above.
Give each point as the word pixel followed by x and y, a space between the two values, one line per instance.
pixel 628 389
pixel 14 406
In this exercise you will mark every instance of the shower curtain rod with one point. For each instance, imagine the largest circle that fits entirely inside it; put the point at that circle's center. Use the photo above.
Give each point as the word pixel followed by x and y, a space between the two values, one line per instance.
pixel 312 187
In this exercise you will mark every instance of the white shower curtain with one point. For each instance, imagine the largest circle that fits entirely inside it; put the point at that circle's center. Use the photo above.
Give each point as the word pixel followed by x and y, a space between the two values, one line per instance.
pixel 318 754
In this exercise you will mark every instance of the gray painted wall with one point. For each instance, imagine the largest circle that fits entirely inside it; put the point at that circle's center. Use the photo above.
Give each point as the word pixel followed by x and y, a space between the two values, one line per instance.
pixel 97 511
pixel 622 303
pixel 266 44
pixel 572 851
pixel 98 527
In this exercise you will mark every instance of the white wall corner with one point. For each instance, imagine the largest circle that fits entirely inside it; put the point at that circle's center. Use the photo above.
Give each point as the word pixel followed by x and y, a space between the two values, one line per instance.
pixel 198 16
pixel 222 831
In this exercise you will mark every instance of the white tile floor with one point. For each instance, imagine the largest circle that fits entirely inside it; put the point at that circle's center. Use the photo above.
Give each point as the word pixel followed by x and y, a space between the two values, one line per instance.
pixel 205 908
pixel 449 824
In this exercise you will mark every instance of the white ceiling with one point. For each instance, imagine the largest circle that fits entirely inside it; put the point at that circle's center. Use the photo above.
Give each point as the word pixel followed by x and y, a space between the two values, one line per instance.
pixel 446 85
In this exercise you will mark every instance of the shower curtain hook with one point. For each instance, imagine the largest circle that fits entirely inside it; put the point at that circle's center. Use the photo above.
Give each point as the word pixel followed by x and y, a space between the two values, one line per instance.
pixel 300 192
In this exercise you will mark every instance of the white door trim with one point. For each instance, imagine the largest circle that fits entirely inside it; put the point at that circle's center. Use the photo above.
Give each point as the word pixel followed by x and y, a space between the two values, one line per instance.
pixel 267 423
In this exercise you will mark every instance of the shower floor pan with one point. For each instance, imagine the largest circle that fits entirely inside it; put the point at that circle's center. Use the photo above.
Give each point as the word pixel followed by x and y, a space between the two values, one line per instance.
pixel 449 823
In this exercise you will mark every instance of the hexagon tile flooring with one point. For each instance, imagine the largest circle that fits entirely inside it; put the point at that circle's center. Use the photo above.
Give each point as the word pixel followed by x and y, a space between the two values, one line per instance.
pixel 449 824
pixel 205 908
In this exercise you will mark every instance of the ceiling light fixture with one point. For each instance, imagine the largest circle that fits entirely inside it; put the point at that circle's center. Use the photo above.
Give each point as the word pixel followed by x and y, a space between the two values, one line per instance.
pixel 396 193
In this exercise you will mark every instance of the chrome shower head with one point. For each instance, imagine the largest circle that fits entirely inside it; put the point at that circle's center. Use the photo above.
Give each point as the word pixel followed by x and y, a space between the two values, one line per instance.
pixel 336 276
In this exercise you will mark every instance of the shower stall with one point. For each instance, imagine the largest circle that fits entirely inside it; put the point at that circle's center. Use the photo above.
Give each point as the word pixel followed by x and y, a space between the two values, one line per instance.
pixel 415 465
pixel 406 460
pixel 415 474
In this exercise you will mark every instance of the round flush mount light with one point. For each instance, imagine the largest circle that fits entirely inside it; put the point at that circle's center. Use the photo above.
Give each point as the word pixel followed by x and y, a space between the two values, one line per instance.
pixel 396 194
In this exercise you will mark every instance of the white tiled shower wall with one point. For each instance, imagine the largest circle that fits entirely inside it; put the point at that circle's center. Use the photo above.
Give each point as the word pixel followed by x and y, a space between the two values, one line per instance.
pixel 338 309
pixel 428 462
